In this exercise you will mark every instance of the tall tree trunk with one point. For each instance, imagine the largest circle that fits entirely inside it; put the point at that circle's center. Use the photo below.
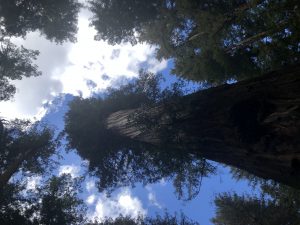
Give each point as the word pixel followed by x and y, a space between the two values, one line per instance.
pixel 253 125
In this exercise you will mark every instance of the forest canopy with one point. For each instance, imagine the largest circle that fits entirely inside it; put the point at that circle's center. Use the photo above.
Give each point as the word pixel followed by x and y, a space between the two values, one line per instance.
pixel 209 40
pixel 136 133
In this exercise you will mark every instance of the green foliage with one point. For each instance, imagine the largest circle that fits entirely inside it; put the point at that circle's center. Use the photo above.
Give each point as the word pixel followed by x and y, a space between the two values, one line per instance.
pixel 55 19
pixel 11 210
pixel 118 21
pixel 210 41
pixel 34 144
pixel 120 161
pixel 277 204
pixel 15 63
pixel 167 219
pixel 281 206
pixel 60 203
pixel 56 202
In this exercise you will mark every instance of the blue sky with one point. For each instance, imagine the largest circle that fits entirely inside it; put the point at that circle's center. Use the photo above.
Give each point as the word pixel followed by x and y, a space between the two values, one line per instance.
pixel 88 67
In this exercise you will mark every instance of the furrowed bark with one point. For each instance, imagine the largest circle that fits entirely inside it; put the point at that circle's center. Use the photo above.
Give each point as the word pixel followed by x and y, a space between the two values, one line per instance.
pixel 253 125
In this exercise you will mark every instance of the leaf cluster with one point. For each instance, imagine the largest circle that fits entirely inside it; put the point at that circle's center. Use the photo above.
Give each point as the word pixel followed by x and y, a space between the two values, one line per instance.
pixel 55 19
pixel 166 219
pixel 56 202
pixel 276 204
pixel 19 137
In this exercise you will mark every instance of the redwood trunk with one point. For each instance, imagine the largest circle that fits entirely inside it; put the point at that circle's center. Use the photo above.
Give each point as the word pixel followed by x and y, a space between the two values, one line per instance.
pixel 253 125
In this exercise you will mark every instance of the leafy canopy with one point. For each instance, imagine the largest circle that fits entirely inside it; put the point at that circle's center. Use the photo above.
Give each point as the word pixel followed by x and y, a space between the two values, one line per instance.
pixel 34 144
pixel 277 204
pixel 55 19
pixel 167 219
pixel 209 40
pixel 55 202
pixel 15 63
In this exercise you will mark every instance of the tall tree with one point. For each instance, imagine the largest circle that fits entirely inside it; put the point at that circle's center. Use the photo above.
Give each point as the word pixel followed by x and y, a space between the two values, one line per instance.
pixel 119 161
pixel 25 147
pixel 253 125
pixel 209 40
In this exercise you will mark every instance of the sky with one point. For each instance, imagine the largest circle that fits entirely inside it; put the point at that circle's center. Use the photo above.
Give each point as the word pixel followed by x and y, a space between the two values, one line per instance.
pixel 79 68
pixel 82 69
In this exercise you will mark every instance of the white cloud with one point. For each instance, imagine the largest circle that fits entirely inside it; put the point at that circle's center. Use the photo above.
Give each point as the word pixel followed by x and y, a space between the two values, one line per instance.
pixel 153 200
pixel 152 197
pixel 123 204
pixel 163 182
pixel 73 67
pixel 33 182
pixel 91 199
pixel 90 185
pixel 69 169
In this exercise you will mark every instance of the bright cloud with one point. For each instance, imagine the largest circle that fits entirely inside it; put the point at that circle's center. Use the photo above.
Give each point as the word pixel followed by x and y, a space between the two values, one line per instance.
pixel 91 199
pixel 69 169
pixel 33 182
pixel 90 185
pixel 79 68
pixel 122 204
pixel 152 197
pixel 163 182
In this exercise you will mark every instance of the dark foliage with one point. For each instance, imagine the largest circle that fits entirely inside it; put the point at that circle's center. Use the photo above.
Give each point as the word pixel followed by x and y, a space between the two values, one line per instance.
pixel 25 147
pixel 55 202
pixel 167 219
pixel 210 40
pixel 277 204
pixel 55 19
pixel 15 64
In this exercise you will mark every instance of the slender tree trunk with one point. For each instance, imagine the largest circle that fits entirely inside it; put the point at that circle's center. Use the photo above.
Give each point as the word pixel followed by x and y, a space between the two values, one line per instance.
pixel 255 38
pixel 13 167
pixel 253 125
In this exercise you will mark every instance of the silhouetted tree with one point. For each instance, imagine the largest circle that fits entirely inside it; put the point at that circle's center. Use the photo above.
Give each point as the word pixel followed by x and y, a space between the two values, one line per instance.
pixel 25 147
pixel 55 19
pixel 253 125
pixel 167 219
pixel 56 202
pixel 60 203
pixel 276 204
pixel 15 64
pixel 119 161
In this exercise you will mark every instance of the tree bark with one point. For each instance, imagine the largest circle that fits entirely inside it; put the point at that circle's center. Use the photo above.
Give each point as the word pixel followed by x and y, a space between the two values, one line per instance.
pixel 253 125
